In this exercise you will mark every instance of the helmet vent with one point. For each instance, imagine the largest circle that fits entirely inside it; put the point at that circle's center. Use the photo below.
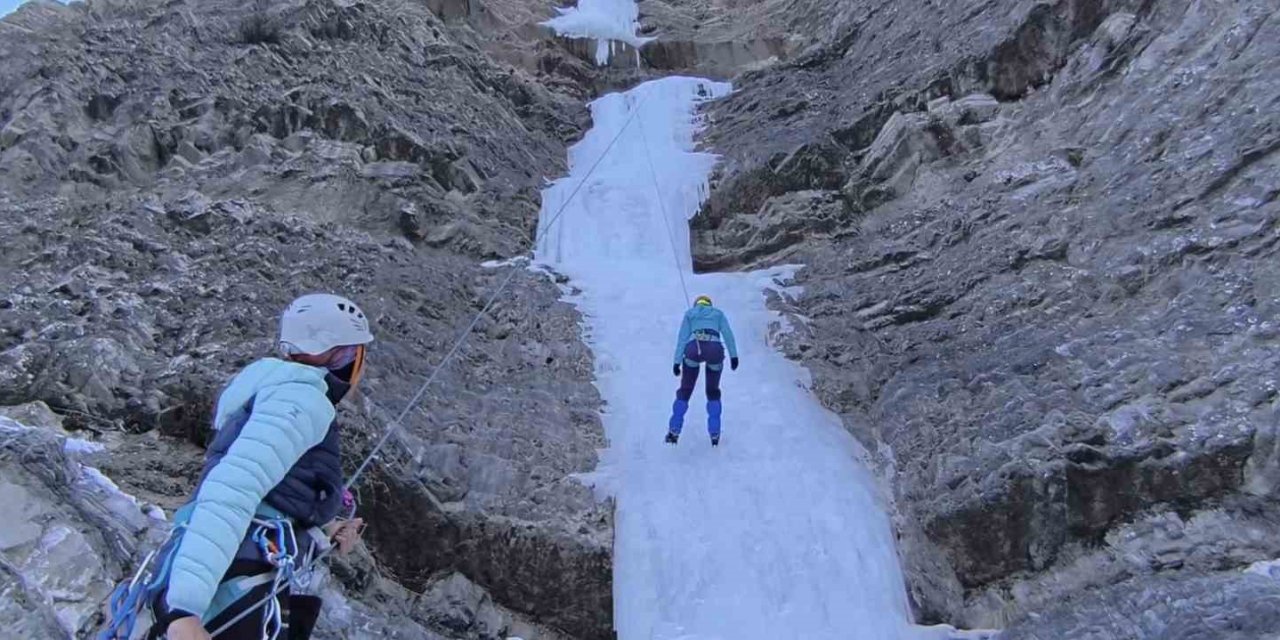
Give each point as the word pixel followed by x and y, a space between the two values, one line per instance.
pixel 325 328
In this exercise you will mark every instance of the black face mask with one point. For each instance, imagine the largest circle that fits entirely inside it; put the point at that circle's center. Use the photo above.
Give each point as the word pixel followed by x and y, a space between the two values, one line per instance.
pixel 338 387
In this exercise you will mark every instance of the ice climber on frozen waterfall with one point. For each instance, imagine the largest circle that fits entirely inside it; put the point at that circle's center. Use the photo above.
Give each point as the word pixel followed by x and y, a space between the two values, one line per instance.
pixel 704 336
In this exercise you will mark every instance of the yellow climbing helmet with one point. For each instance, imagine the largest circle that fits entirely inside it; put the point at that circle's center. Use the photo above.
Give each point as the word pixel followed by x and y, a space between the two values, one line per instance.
pixel 702 300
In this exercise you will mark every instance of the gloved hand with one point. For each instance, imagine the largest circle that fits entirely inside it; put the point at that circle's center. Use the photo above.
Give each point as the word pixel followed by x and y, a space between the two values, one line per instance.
pixel 675 368
pixel 733 364
pixel 345 533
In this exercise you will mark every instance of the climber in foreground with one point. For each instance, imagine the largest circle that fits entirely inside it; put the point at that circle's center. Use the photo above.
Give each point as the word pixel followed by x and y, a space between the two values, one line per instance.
pixel 704 336
pixel 272 479
pixel 271 490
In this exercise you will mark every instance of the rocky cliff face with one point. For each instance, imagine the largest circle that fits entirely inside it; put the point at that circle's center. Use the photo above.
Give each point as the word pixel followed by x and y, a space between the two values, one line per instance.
pixel 70 532
pixel 1040 243
pixel 723 38
pixel 1041 286
pixel 171 174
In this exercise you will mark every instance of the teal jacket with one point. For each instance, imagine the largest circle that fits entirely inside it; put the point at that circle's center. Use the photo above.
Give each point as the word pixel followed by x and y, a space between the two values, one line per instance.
pixel 291 414
pixel 701 318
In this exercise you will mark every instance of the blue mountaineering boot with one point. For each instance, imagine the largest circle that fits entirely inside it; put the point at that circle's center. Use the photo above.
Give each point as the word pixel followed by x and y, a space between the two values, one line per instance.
pixel 713 421
pixel 676 424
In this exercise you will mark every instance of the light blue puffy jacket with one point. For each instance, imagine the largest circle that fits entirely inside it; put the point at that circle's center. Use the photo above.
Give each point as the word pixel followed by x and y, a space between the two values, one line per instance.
pixel 702 318
pixel 291 414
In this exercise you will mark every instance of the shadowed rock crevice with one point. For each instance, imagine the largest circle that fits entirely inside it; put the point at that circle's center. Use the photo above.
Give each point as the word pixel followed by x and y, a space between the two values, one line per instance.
pixel 420 539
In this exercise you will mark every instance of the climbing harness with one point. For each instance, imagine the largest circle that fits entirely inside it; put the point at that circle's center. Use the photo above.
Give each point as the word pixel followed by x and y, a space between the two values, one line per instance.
pixel 457 345
pixel 128 599
pixel 126 603
pixel 280 549
pixel 278 544
pixel 276 541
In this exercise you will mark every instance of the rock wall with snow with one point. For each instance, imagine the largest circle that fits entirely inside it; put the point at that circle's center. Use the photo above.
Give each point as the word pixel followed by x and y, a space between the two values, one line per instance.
pixel 172 174
pixel 1041 284
pixel 68 534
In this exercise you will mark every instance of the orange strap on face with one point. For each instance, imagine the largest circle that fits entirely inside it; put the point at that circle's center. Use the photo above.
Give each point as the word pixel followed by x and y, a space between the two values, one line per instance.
pixel 357 367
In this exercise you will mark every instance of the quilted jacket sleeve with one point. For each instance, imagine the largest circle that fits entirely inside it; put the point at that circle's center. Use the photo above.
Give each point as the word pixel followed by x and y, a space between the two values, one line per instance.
pixel 287 420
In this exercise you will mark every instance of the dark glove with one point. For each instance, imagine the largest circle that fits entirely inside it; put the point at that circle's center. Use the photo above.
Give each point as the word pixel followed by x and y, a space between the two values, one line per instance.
pixel 733 364
pixel 675 368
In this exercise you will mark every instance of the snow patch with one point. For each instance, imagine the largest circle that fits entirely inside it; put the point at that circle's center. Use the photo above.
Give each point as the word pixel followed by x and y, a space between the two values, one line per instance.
pixel 101 480
pixel 1125 420
pixel 1268 568
pixel 947 632
pixel 518 261
pixel 116 500
pixel 606 21
pixel 77 447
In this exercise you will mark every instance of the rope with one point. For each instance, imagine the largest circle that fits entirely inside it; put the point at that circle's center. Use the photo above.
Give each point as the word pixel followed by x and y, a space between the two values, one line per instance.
pixel 395 425
pixel 662 206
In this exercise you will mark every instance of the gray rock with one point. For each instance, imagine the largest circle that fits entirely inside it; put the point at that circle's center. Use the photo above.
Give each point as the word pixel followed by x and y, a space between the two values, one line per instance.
pixel 780 224
pixel 972 109
pixel 171 176
pixel 889 166
pixel 464 609
pixel 1225 606
pixel 366 605
pixel 1262 469
pixel 68 535
pixel 72 535
pixel 1048 315
pixel 343 618
pixel 34 414
pixel 724 38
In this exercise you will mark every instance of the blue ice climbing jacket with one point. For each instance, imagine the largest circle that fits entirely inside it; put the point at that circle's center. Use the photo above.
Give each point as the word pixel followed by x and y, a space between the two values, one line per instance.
pixel 699 319
pixel 282 416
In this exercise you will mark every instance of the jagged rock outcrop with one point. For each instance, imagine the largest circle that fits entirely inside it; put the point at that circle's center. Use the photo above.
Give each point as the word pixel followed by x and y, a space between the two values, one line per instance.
pixel 337 109
pixel 1041 285
pixel 67 536
pixel 714 39
pixel 172 174
pixel 721 38
pixel 71 534
pixel 1046 300
pixel 1243 605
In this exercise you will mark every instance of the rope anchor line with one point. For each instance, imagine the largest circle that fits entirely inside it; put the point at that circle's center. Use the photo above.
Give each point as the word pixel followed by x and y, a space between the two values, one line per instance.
pixel 662 207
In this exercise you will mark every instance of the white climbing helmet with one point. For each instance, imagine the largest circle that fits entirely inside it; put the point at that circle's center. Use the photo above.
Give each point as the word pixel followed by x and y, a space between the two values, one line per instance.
pixel 318 322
